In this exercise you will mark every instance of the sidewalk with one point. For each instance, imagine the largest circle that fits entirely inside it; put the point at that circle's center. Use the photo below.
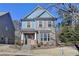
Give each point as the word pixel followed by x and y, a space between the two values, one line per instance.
pixel 6 50
pixel 18 53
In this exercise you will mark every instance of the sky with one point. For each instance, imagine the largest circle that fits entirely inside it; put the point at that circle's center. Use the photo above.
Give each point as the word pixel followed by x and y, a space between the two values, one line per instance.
pixel 19 10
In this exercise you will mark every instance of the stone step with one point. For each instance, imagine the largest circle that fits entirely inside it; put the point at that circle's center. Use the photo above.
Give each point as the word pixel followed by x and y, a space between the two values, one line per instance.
pixel 26 47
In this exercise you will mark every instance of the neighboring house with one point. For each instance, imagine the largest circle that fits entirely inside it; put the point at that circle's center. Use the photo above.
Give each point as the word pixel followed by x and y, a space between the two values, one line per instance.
pixel 38 25
pixel 17 26
pixel 6 29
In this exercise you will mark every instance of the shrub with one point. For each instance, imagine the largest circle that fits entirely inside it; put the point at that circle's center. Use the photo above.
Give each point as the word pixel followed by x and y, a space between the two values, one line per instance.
pixel 18 42
pixel 40 44
pixel 45 43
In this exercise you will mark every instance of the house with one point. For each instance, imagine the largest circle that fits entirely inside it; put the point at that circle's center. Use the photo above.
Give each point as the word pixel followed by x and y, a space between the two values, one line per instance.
pixel 38 26
pixel 7 31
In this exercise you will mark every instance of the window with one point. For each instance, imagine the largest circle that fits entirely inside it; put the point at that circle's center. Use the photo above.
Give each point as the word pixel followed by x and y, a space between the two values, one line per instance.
pixel 28 24
pixel 48 37
pixel 41 34
pixel 40 23
pixel 45 36
pixel 49 23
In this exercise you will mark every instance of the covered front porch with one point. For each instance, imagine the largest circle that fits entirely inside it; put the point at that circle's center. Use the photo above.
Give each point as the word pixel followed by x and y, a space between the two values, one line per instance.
pixel 27 37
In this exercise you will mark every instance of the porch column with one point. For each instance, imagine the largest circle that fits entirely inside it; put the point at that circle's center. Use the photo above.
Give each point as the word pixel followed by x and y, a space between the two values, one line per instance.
pixel 22 38
pixel 35 35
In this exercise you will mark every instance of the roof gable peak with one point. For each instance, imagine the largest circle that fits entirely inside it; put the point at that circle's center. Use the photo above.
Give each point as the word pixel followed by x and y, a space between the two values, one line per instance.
pixel 39 7
pixel 36 12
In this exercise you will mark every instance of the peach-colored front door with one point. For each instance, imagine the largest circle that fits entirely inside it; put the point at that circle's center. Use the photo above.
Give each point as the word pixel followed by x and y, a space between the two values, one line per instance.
pixel 29 36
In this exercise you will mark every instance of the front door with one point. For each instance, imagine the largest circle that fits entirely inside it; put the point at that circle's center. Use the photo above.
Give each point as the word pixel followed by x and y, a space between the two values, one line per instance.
pixel 28 36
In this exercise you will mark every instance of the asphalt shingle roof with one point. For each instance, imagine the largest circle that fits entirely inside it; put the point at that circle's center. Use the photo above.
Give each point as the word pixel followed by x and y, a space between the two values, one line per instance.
pixel 3 13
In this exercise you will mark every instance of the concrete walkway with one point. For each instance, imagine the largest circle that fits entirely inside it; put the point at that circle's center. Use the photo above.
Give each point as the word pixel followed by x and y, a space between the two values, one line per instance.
pixel 14 54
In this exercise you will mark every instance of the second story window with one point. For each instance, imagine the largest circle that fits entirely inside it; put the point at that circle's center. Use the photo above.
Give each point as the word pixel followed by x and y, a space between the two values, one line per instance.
pixel 40 23
pixel 49 23
pixel 28 24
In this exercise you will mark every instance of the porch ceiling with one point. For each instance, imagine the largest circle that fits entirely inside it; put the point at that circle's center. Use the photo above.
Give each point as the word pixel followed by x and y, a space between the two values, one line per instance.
pixel 29 30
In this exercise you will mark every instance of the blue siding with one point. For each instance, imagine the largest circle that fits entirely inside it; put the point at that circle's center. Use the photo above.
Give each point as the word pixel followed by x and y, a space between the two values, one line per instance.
pixel 24 25
pixel 33 25
pixel 46 15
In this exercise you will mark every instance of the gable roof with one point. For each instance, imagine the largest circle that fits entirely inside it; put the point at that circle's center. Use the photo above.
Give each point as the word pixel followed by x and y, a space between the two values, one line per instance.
pixel 3 13
pixel 38 12
pixel 45 15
